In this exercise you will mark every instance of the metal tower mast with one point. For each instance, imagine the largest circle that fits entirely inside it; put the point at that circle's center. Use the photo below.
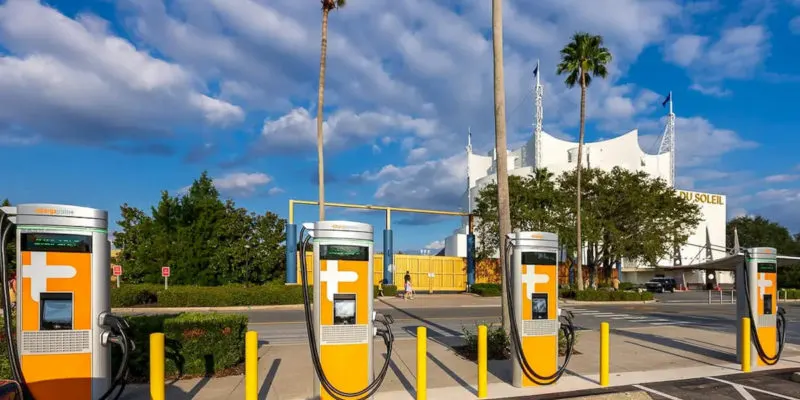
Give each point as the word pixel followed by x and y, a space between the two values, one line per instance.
pixel 537 130
pixel 469 152
pixel 668 140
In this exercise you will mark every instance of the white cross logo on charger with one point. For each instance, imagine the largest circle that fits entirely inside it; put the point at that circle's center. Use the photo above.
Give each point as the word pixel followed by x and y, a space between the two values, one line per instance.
pixel 763 283
pixel 530 278
pixel 332 276
pixel 39 272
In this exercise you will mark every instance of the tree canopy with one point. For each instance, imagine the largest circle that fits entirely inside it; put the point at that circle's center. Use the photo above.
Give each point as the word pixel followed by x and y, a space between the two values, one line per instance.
pixel 757 231
pixel 625 215
pixel 205 241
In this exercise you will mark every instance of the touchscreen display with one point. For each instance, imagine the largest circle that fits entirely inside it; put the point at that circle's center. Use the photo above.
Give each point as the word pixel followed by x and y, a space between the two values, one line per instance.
pixel 767 267
pixel 56 242
pixel 539 305
pixel 343 252
pixel 767 304
pixel 56 311
pixel 344 309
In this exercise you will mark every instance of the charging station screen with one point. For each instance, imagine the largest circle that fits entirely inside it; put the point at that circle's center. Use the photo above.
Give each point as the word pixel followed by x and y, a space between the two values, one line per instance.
pixel 539 258
pixel 539 305
pixel 56 242
pixel 56 311
pixel 344 309
pixel 343 252
pixel 767 267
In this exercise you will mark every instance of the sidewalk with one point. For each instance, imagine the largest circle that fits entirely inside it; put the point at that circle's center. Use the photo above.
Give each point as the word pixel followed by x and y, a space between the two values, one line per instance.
pixel 637 356
pixel 419 301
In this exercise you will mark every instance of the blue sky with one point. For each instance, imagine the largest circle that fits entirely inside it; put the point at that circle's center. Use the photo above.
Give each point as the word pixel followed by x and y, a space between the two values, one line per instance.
pixel 109 102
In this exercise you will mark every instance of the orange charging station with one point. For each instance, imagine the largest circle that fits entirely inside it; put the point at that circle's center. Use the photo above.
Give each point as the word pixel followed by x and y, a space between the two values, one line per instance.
pixel 535 316
pixel 63 306
pixel 757 299
pixel 342 328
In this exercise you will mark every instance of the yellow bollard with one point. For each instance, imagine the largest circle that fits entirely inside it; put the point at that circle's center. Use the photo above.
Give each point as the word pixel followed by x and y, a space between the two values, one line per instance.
pixel 251 366
pixel 422 363
pixel 482 373
pixel 745 344
pixel 604 354
pixel 157 366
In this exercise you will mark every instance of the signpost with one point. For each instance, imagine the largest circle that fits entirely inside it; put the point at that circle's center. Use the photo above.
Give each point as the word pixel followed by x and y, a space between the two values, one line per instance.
pixel 165 274
pixel 117 270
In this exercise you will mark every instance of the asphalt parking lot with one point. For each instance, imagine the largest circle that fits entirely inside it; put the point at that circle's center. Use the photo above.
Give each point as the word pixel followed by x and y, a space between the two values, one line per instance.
pixel 762 385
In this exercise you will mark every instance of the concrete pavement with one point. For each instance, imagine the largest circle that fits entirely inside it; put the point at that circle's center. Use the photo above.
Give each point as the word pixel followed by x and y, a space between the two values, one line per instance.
pixel 638 356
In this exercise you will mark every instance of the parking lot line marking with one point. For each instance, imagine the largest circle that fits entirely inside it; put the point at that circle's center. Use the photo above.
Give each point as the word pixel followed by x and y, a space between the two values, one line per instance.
pixel 653 391
pixel 739 385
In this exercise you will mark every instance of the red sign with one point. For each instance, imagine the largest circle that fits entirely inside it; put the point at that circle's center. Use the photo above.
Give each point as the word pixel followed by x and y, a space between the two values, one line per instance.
pixel 165 271
pixel 117 270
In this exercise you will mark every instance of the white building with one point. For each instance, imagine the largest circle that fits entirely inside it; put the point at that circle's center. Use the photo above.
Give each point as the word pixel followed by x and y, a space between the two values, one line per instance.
pixel 546 151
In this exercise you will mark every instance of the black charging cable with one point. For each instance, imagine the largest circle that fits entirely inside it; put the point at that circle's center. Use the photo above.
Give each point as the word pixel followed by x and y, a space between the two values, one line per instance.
pixel 13 356
pixel 780 323
pixel 385 333
pixel 567 329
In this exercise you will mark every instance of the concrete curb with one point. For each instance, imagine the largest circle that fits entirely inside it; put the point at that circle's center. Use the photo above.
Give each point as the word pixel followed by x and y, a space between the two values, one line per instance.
pixel 165 310
pixel 573 302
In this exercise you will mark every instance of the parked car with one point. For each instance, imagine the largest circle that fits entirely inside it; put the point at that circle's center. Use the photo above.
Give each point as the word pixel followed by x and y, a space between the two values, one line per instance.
pixel 661 285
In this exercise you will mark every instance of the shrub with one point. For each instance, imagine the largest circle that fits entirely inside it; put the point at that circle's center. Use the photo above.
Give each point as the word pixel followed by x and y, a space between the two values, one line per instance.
pixel 149 295
pixel 603 295
pixel 627 286
pixel 388 291
pixel 791 294
pixel 566 293
pixel 207 296
pixel 196 344
pixel 498 344
pixel 486 289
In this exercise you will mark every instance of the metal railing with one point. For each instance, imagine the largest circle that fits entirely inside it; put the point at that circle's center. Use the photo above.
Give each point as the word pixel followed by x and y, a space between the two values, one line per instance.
pixel 712 298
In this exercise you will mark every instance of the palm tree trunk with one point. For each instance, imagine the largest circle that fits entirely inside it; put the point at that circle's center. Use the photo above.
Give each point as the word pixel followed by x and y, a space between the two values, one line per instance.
pixel 503 206
pixel 579 270
pixel 320 102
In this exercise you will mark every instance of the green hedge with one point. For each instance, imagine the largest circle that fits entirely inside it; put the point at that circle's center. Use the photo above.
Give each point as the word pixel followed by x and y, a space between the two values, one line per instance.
pixel 486 289
pixel 149 295
pixel 608 295
pixel 195 344
pixel 388 291
pixel 791 294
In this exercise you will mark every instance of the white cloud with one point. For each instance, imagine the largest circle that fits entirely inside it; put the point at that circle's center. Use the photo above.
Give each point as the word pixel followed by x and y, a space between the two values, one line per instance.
pixel 794 25
pixel 435 245
pixel 782 178
pixel 686 49
pixel 735 54
pixel 94 88
pixel 438 184
pixel 243 184
pixel 712 90
pixel 699 143
pixel 297 130
pixel 275 191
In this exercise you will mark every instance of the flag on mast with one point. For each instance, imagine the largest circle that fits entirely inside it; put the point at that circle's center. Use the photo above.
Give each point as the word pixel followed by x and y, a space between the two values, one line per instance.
pixel 669 96
pixel 536 70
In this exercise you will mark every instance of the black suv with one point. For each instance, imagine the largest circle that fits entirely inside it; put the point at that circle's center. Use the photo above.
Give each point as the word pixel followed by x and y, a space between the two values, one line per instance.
pixel 661 285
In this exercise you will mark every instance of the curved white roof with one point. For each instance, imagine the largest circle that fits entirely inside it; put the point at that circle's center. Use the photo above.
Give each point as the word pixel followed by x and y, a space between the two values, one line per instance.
pixel 560 155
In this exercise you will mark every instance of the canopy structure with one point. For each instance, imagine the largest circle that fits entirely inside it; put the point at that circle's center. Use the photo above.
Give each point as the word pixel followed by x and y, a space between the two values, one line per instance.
pixel 729 263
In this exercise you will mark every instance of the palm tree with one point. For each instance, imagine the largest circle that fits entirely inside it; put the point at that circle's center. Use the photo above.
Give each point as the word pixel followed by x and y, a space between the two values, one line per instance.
pixel 503 203
pixel 327 7
pixel 581 59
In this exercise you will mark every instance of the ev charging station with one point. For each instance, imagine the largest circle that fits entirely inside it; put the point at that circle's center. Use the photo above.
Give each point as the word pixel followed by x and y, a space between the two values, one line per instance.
pixel 64 327
pixel 757 299
pixel 341 330
pixel 532 287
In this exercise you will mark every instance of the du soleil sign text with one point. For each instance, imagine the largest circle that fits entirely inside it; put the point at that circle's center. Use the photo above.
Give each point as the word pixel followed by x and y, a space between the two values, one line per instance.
pixel 706 198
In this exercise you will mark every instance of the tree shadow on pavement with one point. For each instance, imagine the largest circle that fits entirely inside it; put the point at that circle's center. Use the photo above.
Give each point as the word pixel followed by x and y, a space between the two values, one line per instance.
pixel 676 344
